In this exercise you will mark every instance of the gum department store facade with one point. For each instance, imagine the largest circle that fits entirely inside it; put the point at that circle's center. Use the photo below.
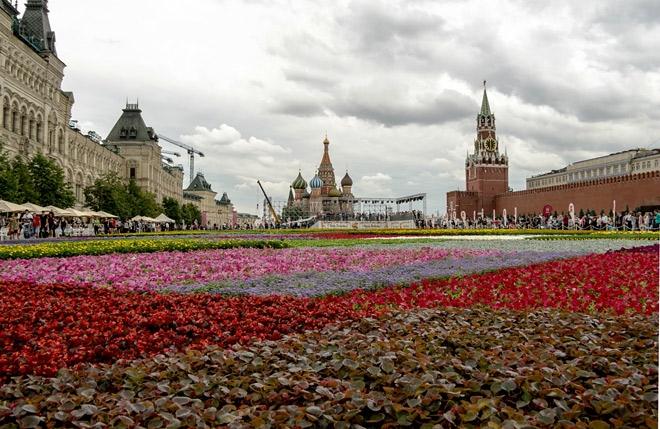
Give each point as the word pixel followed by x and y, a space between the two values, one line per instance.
pixel 36 117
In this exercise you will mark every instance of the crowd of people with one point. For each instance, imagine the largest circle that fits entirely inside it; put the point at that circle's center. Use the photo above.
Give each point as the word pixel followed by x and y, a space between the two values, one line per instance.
pixel 34 225
pixel 28 224
pixel 625 221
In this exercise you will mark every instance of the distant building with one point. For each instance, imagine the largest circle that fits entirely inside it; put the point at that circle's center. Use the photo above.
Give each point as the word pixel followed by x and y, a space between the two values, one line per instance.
pixel 633 161
pixel 486 169
pixel 36 112
pixel 141 156
pixel 215 213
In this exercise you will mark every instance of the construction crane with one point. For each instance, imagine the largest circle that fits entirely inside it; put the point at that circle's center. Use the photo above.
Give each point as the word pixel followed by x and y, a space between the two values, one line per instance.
pixel 170 152
pixel 191 151
pixel 270 206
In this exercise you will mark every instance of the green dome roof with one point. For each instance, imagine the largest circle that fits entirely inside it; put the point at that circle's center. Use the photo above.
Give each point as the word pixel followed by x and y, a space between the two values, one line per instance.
pixel 334 192
pixel 299 183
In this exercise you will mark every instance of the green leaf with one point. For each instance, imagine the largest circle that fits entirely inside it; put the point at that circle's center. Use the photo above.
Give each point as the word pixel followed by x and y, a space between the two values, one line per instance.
pixel 315 411
pixel 648 397
pixel 29 408
pixel 598 424
pixel 509 385
pixel 30 421
pixel 375 418
pixel 387 366
pixel 469 416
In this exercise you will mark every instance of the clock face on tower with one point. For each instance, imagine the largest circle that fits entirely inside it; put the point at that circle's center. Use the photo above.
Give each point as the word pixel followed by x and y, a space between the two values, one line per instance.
pixel 490 144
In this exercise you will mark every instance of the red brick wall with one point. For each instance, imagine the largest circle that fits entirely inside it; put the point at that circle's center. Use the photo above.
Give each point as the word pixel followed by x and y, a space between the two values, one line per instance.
pixel 633 190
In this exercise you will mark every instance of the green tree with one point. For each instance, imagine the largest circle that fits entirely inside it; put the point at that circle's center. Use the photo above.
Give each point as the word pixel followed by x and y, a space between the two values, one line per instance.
pixel 49 184
pixel 108 193
pixel 172 209
pixel 9 185
pixel 26 189
pixel 141 202
pixel 190 212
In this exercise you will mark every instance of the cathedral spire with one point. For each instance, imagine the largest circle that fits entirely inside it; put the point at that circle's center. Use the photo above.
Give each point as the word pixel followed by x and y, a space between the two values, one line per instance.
pixel 326 170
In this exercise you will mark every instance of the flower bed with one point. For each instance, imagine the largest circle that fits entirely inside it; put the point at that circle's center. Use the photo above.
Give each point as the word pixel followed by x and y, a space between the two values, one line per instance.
pixel 322 283
pixel 418 368
pixel 563 343
pixel 616 282
pixel 149 271
pixel 45 327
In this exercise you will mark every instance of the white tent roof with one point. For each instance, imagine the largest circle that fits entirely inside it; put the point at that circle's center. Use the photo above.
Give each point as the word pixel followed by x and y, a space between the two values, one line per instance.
pixel 6 206
pixel 163 218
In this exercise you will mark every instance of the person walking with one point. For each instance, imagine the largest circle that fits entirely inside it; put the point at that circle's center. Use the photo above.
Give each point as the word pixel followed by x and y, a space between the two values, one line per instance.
pixel 52 224
pixel 63 226
pixel 26 221
pixel 14 227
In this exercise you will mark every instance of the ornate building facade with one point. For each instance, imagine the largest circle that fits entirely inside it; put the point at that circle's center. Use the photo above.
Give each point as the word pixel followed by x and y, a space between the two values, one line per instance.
pixel 36 112
pixel 323 198
pixel 36 118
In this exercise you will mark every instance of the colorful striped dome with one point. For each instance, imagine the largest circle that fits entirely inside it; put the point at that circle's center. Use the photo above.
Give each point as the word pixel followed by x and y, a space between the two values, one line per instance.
pixel 299 183
pixel 316 182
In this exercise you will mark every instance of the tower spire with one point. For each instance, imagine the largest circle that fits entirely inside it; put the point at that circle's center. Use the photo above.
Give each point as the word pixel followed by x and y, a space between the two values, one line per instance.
pixel 35 22
pixel 485 107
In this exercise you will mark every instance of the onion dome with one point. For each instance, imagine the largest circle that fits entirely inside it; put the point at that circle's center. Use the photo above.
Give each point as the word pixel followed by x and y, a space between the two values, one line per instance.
pixel 347 181
pixel 334 192
pixel 316 182
pixel 305 194
pixel 299 183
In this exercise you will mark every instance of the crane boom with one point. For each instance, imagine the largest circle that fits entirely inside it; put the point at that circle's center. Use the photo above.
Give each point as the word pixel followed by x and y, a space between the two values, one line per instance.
pixel 270 206
pixel 191 151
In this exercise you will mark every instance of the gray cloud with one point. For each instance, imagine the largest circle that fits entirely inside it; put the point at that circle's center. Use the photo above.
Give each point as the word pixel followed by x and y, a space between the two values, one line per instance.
pixel 393 108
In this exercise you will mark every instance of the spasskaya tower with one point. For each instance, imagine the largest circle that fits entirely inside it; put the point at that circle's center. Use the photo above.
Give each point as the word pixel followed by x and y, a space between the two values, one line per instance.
pixel 486 169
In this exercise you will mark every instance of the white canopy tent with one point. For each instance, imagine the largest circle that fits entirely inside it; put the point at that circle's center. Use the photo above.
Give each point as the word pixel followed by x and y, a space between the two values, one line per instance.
pixel 34 207
pixel 162 218
pixel 6 206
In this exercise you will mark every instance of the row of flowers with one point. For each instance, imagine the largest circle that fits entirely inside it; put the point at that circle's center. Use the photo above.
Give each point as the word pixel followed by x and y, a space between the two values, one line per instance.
pixel 325 282
pixel 68 248
pixel 154 270
pixel 237 265
pixel 48 326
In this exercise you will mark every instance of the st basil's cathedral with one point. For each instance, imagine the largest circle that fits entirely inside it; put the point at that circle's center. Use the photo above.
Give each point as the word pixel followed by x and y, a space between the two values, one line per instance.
pixel 324 198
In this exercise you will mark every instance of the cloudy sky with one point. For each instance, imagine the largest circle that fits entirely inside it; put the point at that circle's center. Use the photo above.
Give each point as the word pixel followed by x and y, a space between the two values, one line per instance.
pixel 396 85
